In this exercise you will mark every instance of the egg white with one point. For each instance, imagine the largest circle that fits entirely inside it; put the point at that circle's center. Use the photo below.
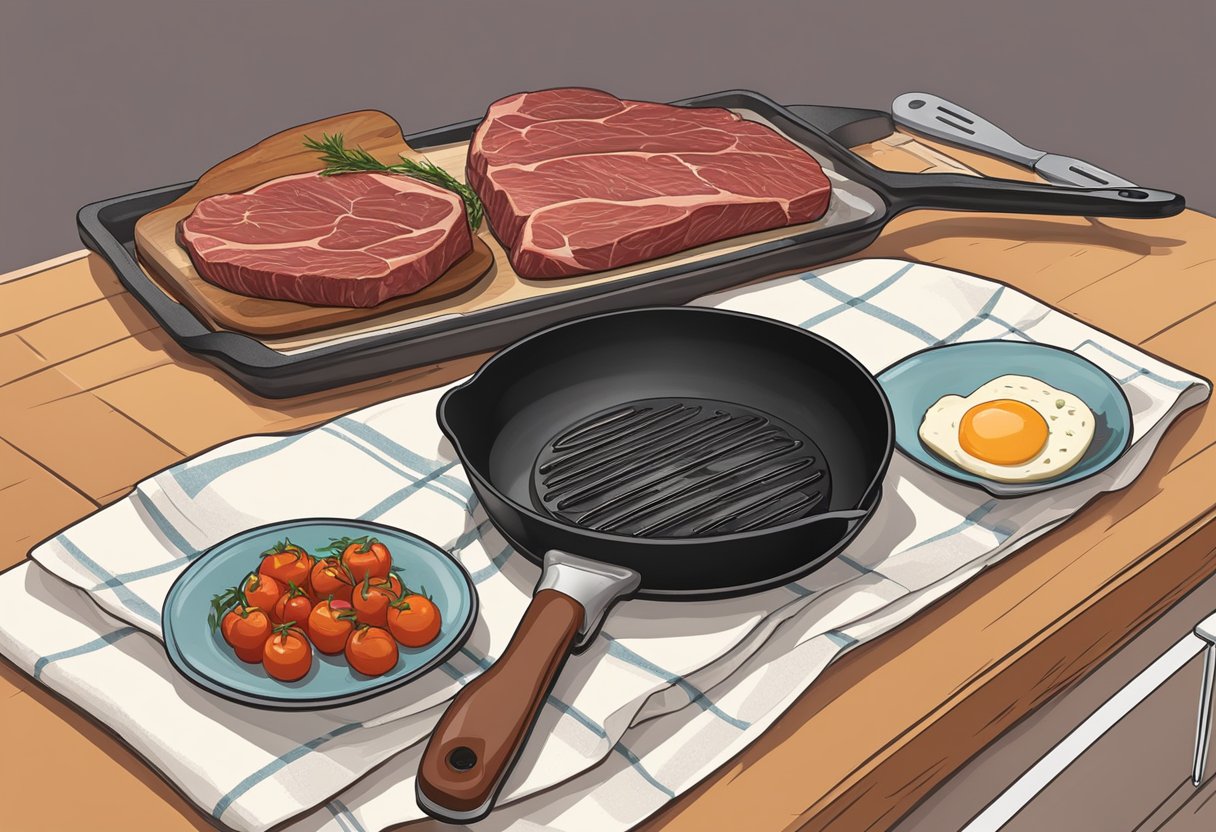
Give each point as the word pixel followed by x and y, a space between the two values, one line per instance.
pixel 1070 429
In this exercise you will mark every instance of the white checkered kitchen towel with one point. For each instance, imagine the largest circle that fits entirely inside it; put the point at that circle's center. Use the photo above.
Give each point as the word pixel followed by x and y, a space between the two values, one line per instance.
pixel 660 704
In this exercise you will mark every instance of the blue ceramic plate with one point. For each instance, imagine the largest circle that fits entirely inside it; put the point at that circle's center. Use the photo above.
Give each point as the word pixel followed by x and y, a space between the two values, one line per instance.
pixel 918 381
pixel 203 657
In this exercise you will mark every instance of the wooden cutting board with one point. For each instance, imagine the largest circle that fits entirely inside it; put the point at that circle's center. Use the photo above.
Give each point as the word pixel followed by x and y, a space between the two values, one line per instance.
pixel 284 154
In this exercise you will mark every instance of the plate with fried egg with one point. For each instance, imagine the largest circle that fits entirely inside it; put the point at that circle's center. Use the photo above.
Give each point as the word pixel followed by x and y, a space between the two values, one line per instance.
pixel 1010 417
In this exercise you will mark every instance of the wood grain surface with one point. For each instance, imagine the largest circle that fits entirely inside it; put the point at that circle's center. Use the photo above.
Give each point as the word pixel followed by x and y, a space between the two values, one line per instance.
pixel 94 397
pixel 284 154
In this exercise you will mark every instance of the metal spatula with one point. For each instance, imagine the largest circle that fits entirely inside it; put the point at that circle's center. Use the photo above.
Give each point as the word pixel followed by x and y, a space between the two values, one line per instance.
pixel 934 116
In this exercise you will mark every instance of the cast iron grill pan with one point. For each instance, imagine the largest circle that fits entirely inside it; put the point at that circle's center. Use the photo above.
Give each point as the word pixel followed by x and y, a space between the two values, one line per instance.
pixel 673 453
pixel 713 452
pixel 680 468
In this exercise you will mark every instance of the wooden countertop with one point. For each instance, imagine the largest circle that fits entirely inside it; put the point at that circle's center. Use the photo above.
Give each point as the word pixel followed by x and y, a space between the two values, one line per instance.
pixel 94 397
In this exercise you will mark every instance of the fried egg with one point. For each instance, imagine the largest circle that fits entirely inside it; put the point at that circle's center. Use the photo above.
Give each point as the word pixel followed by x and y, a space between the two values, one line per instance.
pixel 1012 429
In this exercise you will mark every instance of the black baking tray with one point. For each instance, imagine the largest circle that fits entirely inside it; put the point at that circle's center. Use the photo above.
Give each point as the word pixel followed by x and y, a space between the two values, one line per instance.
pixel 107 227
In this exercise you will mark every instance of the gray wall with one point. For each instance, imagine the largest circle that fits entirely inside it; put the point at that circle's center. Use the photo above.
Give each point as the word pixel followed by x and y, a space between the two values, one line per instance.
pixel 103 98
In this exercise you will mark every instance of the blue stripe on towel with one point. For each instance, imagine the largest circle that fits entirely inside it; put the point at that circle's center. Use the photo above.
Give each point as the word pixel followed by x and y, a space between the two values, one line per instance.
pixel 865 570
pixel 579 717
pixel 402 454
pixel 1140 371
pixel 859 299
pixel 981 316
pixel 469 535
pixel 493 567
pixel 194 478
pixel 277 764
pixel 975 518
pixel 799 590
pixel 814 280
pixel 129 599
pixel 456 673
pixel 1010 329
pixel 400 495
pixel 138 574
pixel 187 552
pixel 848 561
pixel 985 314
pixel 481 661
pixel 397 468
pixel 80 650
pixel 840 639
pixel 695 695
pixel 163 523
pixel 344 816
pixel 641 769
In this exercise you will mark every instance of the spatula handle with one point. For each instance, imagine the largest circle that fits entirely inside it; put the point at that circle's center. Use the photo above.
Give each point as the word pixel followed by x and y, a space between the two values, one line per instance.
pixel 478 739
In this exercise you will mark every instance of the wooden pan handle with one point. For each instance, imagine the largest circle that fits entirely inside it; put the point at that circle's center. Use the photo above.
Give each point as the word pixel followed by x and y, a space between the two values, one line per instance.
pixel 477 741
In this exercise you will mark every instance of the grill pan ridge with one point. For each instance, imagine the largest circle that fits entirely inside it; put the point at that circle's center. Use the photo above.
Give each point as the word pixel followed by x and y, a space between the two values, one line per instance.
pixel 680 468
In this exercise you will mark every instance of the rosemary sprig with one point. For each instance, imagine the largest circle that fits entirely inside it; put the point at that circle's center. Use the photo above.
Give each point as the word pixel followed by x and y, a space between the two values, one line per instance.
pixel 338 545
pixel 339 158
pixel 230 599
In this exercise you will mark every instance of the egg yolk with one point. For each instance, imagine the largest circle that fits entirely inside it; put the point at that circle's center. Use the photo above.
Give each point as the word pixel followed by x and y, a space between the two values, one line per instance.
pixel 1002 432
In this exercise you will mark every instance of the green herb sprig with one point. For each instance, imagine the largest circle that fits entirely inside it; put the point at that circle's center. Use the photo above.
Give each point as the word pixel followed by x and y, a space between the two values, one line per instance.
pixel 339 159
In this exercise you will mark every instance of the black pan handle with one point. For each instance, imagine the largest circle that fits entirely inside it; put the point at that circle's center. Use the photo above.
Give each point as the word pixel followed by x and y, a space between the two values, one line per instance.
pixel 959 192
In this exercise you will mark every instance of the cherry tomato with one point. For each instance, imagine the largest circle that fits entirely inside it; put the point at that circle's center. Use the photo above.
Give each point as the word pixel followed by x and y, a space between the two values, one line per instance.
pixel 371 599
pixel 371 651
pixel 364 557
pixel 228 622
pixel 287 655
pixel 330 624
pixel 414 620
pixel 287 563
pixel 292 607
pixel 261 591
pixel 329 577
pixel 246 630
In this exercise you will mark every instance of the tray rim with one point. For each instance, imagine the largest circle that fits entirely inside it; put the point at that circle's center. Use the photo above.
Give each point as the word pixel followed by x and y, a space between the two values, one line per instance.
pixel 270 373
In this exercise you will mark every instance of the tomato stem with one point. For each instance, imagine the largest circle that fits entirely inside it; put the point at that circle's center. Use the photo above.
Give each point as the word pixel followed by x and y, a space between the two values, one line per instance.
pixel 283 630
pixel 285 547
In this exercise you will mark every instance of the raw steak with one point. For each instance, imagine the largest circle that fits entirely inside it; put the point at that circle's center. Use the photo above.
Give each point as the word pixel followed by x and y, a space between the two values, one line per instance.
pixel 577 180
pixel 356 239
